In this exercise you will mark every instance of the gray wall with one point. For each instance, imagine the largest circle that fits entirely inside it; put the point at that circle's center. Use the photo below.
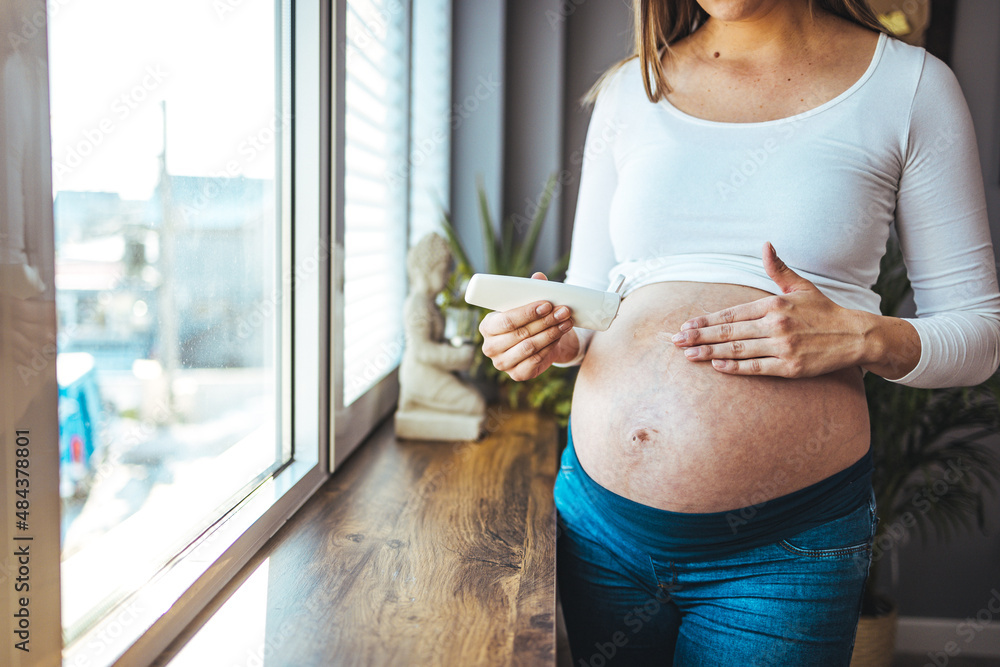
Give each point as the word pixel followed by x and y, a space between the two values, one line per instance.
pixel 534 116
pixel 598 35
pixel 477 118
pixel 507 115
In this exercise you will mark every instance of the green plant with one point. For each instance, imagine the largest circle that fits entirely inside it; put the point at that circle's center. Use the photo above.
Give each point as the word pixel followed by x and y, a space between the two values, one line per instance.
pixel 933 465
pixel 510 250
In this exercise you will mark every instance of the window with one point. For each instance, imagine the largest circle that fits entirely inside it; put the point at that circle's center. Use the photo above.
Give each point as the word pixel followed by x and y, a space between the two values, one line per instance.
pixel 196 266
pixel 167 169
pixel 187 429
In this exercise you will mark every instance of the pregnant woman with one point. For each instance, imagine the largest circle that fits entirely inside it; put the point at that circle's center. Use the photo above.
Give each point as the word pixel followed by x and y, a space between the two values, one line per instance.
pixel 742 171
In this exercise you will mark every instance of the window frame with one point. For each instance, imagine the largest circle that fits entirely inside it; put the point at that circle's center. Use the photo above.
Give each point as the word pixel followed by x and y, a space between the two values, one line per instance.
pixel 142 626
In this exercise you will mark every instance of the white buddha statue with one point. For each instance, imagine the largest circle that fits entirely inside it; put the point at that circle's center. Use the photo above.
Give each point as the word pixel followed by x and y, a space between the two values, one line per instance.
pixel 434 403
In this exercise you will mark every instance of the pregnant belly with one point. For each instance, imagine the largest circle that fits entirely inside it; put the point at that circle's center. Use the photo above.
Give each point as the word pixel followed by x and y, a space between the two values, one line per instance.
pixel 662 430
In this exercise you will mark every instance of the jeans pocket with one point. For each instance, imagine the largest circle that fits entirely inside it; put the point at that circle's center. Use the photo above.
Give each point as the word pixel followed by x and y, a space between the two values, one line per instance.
pixel 873 513
pixel 846 537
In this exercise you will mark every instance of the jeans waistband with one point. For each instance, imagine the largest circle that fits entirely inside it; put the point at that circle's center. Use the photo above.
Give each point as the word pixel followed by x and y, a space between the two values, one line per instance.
pixel 719 534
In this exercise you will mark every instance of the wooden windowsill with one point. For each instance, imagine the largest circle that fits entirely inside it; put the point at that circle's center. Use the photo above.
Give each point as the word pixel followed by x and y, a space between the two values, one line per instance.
pixel 412 553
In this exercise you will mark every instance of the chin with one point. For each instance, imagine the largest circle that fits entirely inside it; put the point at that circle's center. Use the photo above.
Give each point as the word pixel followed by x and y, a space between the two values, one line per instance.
pixel 738 10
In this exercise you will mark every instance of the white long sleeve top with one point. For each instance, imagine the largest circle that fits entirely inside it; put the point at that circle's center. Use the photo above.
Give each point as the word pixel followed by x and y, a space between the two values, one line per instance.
pixel 665 196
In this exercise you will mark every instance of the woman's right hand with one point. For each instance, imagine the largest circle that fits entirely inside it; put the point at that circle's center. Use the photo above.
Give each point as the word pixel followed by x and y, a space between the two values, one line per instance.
pixel 525 341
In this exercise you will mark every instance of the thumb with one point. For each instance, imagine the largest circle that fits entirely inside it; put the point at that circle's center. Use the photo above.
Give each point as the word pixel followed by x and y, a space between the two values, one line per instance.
pixel 784 277
pixel 538 275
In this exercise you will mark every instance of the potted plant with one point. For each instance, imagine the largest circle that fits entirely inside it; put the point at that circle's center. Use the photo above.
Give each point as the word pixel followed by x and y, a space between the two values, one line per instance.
pixel 509 250
pixel 933 467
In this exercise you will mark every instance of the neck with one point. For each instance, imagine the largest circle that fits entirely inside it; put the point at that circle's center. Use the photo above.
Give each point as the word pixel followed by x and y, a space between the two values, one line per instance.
pixel 767 35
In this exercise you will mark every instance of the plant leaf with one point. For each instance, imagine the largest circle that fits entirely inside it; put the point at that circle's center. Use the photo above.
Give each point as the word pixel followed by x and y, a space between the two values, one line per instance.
pixel 489 236
pixel 558 270
pixel 457 249
pixel 526 252
pixel 506 263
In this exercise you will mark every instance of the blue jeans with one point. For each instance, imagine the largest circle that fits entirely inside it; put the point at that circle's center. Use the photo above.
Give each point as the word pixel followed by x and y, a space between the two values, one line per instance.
pixel 792 602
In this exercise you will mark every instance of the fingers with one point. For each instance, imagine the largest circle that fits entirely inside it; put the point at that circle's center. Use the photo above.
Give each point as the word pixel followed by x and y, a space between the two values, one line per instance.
pixel 522 341
pixel 758 366
pixel 511 349
pixel 784 336
pixel 524 320
pixel 744 348
pixel 737 349
pixel 778 271
pixel 744 356
pixel 721 333
pixel 741 313
pixel 534 365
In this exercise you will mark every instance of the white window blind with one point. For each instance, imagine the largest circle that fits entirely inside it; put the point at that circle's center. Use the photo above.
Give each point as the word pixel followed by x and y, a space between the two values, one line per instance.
pixel 431 116
pixel 376 128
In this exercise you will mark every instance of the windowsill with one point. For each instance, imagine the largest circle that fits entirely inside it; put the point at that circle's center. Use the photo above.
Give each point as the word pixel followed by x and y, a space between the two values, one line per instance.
pixel 443 553
pixel 139 625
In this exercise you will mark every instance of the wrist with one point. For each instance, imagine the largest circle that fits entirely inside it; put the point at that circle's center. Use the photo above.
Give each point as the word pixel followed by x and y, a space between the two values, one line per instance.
pixel 891 346
pixel 567 348
pixel 869 334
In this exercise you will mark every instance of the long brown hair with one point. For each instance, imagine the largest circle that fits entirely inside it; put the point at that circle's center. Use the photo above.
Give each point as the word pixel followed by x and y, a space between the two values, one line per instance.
pixel 659 23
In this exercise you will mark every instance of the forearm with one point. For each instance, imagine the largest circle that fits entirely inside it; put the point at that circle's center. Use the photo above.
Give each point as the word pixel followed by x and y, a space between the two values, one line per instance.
pixel 442 355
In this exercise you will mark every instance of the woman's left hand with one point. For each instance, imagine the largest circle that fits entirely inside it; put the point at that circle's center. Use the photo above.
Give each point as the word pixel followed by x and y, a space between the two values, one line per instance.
pixel 800 333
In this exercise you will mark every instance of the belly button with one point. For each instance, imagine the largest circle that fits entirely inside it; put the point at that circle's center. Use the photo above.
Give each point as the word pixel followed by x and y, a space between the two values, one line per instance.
pixel 641 436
